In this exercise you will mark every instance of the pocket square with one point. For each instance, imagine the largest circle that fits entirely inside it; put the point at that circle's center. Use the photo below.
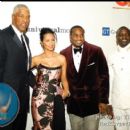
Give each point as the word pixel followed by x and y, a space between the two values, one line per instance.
pixel 91 64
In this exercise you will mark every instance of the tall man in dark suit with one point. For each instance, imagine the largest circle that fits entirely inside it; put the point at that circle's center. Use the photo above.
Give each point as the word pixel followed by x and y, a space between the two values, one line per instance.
pixel 88 79
pixel 15 60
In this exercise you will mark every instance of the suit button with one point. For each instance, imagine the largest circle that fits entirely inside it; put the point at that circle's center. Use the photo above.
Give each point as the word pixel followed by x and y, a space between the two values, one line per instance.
pixel 121 69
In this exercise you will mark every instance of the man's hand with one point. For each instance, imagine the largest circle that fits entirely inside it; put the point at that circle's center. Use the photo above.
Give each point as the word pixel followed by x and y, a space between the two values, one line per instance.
pixel 106 109
pixel 102 108
pixel 110 111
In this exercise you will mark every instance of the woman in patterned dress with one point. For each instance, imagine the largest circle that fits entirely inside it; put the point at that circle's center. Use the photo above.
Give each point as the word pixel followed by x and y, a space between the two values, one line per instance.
pixel 51 85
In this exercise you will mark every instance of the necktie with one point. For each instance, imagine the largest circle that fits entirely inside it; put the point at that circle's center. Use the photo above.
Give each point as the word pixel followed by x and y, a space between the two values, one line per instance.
pixel 23 43
pixel 24 46
pixel 77 50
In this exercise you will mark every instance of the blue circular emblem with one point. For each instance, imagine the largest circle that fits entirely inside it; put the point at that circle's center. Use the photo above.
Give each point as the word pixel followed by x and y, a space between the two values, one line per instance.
pixel 9 104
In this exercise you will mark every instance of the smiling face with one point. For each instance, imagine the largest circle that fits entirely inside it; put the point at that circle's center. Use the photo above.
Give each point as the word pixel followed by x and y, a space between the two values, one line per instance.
pixel 48 42
pixel 77 36
pixel 123 37
pixel 21 19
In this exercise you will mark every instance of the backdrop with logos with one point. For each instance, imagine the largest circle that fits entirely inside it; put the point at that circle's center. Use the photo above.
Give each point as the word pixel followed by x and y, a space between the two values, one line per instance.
pixel 99 19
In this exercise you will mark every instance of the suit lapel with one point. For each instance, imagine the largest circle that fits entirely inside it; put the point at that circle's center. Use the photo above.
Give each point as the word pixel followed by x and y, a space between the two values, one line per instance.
pixel 18 42
pixel 83 63
pixel 84 59
pixel 71 60
pixel 15 37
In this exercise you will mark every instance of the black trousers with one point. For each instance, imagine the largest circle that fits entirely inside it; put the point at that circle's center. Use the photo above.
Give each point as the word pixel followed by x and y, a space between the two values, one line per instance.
pixel 18 124
pixel 59 114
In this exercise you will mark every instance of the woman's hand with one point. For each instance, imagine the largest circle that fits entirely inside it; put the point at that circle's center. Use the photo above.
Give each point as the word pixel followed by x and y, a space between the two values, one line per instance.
pixel 37 126
pixel 65 94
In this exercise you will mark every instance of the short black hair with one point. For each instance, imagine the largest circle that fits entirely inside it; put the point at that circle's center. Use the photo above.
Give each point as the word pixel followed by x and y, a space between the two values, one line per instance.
pixel 76 26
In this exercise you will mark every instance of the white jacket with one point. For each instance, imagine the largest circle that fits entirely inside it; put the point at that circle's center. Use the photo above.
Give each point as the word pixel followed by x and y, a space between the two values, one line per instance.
pixel 119 71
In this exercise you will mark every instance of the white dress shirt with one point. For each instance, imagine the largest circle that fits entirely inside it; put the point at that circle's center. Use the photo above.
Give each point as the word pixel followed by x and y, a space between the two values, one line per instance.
pixel 119 70
pixel 77 58
pixel 19 36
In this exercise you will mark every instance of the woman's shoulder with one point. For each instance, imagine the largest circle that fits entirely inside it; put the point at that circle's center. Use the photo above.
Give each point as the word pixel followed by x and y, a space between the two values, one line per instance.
pixel 36 59
pixel 60 56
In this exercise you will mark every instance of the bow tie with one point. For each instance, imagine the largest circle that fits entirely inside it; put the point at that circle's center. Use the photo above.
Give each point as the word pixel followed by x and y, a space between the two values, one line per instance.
pixel 77 50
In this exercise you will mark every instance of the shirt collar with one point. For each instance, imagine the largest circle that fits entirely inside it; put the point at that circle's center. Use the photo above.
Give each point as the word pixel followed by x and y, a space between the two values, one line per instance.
pixel 123 49
pixel 17 31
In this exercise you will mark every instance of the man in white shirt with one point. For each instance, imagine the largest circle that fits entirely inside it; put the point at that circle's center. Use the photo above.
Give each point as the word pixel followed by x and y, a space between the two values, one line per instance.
pixel 119 69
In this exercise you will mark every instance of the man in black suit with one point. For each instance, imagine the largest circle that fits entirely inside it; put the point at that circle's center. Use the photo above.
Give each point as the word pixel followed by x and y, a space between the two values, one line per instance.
pixel 15 60
pixel 87 74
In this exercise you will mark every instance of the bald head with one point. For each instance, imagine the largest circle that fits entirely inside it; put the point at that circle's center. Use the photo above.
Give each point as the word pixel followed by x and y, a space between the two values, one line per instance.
pixel 123 36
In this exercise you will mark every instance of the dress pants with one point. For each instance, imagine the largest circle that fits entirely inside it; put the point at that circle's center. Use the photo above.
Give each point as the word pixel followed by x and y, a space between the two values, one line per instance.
pixel 87 123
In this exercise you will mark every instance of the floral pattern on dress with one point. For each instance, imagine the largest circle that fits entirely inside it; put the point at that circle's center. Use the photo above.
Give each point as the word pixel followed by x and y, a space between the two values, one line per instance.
pixel 47 87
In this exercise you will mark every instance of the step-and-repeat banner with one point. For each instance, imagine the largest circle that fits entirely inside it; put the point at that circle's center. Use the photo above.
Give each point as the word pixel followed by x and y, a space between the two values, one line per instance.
pixel 99 19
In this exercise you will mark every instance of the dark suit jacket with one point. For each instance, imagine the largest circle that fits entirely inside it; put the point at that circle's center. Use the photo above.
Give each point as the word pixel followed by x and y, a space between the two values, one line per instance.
pixel 89 86
pixel 13 65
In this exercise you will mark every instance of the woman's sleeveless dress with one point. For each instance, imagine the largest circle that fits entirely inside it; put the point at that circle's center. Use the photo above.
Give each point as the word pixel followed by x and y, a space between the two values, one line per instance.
pixel 44 94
